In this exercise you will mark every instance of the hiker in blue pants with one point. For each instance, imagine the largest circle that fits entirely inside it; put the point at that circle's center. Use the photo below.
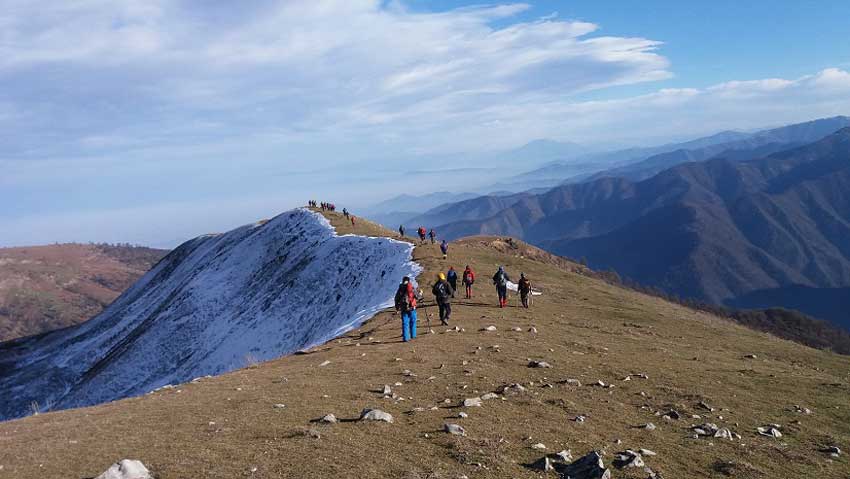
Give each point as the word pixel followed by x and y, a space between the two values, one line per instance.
pixel 405 303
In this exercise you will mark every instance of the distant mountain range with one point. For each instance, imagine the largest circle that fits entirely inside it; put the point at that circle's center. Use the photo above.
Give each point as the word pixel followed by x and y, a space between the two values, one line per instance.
pixel 730 230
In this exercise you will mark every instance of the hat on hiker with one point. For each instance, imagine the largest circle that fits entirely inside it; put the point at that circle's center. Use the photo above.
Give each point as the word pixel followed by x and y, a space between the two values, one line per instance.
pixel 442 276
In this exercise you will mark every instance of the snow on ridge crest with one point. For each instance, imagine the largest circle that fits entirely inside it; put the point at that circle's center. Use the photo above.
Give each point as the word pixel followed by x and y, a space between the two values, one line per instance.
pixel 212 305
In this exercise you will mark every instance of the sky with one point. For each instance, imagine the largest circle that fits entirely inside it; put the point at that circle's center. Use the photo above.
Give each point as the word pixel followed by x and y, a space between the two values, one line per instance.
pixel 155 121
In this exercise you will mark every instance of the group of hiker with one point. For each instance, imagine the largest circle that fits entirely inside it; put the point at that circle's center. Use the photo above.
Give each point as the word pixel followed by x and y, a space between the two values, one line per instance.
pixel 323 205
pixel 432 235
pixel 444 290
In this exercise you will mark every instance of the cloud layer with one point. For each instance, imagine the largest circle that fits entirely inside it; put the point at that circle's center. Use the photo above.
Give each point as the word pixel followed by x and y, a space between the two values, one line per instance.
pixel 165 106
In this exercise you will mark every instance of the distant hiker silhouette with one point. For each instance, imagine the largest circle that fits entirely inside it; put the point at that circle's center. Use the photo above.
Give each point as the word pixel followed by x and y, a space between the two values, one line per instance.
pixel 422 233
pixel 500 279
pixel 433 236
pixel 451 277
pixel 524 289
pixel 401 231
pixel 405 304
pixel 468 280
pixel 443 293
pixel 444 247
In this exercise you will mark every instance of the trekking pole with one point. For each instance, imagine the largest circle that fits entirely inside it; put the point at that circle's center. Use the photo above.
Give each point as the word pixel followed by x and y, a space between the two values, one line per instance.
pixel 427 314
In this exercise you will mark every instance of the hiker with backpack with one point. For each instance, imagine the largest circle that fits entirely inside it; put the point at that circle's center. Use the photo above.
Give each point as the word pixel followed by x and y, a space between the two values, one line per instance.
pixel 500 279
pixel 468 280
pixel 421 232
pixel 443 293
pixel 451 277
pixel 524 289
pixel 405 304
pixel 444 247
pixel 433 236
pixel 401 230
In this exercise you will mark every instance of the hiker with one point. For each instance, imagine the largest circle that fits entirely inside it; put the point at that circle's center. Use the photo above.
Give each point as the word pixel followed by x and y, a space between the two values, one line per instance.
pixel 421 232
pixel 444 247
pixel 352 220
pixel 500 279
pixel 443 293
pixel 524 289
pixel 468 279
pixel 405 303
pixel 433 236
pixel 401 230
pixel 451 276
pixel 345 212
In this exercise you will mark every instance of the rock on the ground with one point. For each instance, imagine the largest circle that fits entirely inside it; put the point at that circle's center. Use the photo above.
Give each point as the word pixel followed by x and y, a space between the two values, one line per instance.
pixel 462 415
pixel 769 430
pixel 707 429
pixel 648 426
pixel 587 467
pixel 489 328
pixel 490 396
pixel 647 452
pixel 328 419
pixel 387 391
pixel 472 402
pixel 376 415
pixel 280 406
pixel 454 429
pixel 571 382
pixel 724 433
pixel 538 446
pixel 539 364
pixel 126 469
pixel 515 388
pixel 628 458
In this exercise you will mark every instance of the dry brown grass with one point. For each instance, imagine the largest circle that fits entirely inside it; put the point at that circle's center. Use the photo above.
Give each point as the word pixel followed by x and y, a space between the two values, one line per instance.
pixel 224 427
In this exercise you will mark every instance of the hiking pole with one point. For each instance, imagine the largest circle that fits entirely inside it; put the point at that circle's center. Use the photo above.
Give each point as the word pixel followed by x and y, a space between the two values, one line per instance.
pixel 427 314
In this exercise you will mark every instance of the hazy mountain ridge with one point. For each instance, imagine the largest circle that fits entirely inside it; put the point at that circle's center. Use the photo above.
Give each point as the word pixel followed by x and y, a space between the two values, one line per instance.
pixel 713 230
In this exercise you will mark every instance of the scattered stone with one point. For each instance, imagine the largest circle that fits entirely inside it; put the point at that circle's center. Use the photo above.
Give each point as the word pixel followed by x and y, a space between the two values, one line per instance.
pixel 672 414
pixel 126 469
pixel 707 429
pixel 580 418
pixel 628 458
pixel 328 419
pixel 600 383
pixel 641 375
pixel 724 433
pixel 572 382
pixel 490 396
pixel 325 363
pixel 648 426
pixel 454 429
pixel 387 391
pixel 462 415
pixel 515 388
pixel 489 328
pixel 646 452
pixel 705 406
pixel 802 410
pixel 517 329
pixel 408 373
pixel 280 406
pixel 532 330
pixel 750 356
pixel 472 402
pixel 587 467
pixel 538 446
pixel 376 415
pixel 833 451
pixel 771 430
pixel 539 364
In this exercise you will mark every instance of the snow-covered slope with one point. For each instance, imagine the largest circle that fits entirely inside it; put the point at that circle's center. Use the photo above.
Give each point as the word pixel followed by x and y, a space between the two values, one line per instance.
pixel 214 304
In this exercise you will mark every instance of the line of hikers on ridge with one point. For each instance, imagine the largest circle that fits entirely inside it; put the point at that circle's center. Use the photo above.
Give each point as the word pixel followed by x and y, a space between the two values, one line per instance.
pixel 407 297
pixel 445 288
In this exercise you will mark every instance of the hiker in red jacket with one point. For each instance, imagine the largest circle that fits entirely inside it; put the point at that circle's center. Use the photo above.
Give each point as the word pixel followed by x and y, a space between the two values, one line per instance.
pixel 405 303
pixel 468 279
pixel 422 233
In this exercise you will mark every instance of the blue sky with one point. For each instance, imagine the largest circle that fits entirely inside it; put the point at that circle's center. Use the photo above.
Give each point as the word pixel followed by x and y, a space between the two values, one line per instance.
pixel 154 121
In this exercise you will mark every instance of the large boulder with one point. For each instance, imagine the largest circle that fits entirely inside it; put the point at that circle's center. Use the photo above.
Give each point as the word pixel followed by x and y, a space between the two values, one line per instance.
pixel 126 469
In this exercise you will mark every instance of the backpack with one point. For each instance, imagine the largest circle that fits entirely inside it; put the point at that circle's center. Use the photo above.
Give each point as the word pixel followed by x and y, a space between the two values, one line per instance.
pixel 452 276
pixel 402 299
pixel 501 278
